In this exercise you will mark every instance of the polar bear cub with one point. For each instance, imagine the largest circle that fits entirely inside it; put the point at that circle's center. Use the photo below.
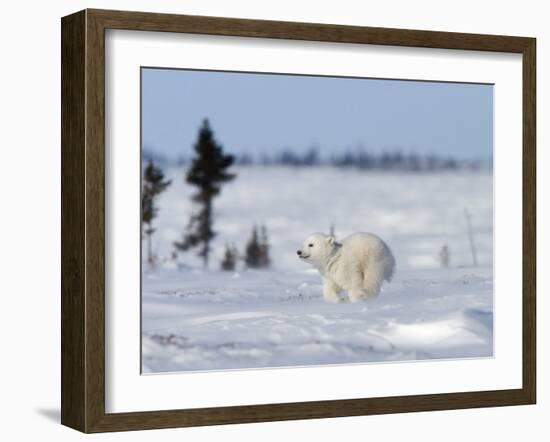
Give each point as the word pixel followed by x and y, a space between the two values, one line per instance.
pixel 359 264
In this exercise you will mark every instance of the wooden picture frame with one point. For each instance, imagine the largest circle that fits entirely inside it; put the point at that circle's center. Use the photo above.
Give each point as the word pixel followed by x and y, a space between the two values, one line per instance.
pixel 83 220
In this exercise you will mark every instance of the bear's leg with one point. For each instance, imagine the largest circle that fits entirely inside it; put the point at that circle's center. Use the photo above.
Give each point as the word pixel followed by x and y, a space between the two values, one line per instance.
pixel 372 288
pixel 356 292
pixel 372 280
pixel 356 295
pixel 330 291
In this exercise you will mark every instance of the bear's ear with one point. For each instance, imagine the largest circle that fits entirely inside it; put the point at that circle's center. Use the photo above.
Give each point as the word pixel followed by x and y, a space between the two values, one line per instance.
pixel 331 239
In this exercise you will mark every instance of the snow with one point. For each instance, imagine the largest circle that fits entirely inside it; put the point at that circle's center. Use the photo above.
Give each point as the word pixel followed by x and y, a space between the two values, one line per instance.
pixel 196 319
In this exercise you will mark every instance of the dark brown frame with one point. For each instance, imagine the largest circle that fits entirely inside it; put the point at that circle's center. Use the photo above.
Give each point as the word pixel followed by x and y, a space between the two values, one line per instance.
pixel 83 217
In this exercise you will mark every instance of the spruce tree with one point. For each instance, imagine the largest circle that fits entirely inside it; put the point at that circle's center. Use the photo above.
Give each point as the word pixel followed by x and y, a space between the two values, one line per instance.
pixel 153 184
pixel 229 261
pixel 253 253
pixel 208 171
pixel 445 256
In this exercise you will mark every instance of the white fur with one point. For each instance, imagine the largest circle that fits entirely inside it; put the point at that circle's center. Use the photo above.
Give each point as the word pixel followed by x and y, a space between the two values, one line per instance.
pixel 359 264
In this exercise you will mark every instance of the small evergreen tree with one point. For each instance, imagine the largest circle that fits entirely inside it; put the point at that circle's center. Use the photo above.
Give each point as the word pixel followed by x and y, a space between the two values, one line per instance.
pixel 208 171
pixel 253 253
pixel 445 256
pixel 265 261
pixel 229 261
pixel 153 184
pixel 257 249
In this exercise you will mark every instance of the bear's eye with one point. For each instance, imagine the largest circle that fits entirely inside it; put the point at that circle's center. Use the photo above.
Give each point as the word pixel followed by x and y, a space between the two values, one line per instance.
pixel 310 245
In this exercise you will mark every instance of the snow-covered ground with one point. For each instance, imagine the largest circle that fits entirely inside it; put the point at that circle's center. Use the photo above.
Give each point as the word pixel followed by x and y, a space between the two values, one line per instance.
pixel 195 319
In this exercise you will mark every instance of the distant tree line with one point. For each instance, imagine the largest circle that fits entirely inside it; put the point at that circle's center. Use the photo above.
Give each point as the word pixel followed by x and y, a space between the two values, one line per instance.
pixel 389 160
pixel 395 160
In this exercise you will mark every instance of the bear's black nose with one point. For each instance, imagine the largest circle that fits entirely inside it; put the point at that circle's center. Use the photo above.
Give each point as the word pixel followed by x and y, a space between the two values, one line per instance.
pixel 299 252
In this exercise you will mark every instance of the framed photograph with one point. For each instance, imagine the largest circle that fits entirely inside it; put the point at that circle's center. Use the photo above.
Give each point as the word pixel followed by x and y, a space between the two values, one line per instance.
pixel 268 220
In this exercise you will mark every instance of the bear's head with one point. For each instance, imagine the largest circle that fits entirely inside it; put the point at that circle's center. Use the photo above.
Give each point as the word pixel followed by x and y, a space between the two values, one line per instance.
pixel 317 248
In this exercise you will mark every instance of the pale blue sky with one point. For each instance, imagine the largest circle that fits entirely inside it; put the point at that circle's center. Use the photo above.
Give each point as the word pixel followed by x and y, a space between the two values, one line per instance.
pixel 266 113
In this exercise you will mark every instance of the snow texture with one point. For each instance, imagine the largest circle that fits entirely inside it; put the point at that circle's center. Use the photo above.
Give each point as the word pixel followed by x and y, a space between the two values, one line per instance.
pixel 196 319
